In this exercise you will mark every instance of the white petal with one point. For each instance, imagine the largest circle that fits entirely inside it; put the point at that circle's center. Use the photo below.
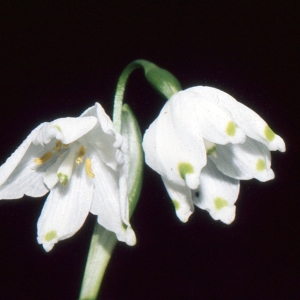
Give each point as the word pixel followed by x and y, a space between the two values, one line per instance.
pixel 66 130
pixel 255 127
pixel 66 209
pixel 106 202
pixel 217 194
pixel 173 151
pixel 181 198
pixel 105 137
pixel 27 177
pixel 7 168
pixel 50 177
pixel 205 118
pixel 248 120
pixel 245 161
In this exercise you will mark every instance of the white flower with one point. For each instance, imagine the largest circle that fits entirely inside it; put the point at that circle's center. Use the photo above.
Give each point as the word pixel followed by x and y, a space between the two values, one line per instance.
pixel 80 160
pixel 202 143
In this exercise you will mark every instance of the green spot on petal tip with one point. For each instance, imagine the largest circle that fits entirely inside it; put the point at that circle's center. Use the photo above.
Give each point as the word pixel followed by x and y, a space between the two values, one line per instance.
pixel 260 165
pixel 211 150
pixel 231 128
pixel 220 203
pixel 176 204
pixel 269 133
pixel 58 128
pixel 63 179
pixel 184 169
pixel 50 235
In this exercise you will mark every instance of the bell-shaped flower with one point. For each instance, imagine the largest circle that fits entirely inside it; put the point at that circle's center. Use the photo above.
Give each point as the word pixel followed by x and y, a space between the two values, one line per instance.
pixel 202 143
pixel 81 162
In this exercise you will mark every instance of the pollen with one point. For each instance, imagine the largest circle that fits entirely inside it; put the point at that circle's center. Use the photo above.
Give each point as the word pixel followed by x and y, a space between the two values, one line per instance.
pixel 88 168
pixel 80 155
pixel 41 160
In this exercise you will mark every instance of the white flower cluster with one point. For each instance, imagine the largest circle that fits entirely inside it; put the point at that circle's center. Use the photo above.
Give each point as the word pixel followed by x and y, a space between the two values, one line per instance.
pixel 81 162
pixel 202 143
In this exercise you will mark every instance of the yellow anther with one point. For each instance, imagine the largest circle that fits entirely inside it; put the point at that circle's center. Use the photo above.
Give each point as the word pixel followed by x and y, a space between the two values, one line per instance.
pixel 80 155
pixel 59 145
pixel 41 160
pixel 88 168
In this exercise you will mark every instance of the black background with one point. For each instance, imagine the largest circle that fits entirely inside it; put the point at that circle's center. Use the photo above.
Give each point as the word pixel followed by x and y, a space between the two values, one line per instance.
pixel 57 59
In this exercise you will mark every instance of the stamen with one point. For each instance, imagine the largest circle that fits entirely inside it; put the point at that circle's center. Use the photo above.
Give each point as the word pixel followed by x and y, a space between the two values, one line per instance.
pixel 59 145
pixel 41 160
pixel 80 155
pixel 88 168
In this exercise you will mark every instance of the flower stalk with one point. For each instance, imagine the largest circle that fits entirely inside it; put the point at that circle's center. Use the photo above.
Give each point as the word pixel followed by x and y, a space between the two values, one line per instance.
pixel 162 80
pixel 103 241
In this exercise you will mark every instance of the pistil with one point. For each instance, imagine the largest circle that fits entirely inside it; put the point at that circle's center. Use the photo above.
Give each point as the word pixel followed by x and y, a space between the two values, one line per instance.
pixel 65 169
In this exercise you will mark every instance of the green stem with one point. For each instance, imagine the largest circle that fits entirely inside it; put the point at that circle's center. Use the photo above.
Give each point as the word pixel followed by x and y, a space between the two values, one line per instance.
pixel 101 248
pixel 118 102
pixel 103 241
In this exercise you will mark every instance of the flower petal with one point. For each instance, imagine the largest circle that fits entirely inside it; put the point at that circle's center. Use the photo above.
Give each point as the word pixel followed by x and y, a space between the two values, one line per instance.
pixel 181 198
pixel 217 194
pixel 27 177
pixel 11 163
pixel 67 130
pixel 173 151
pixel 66 209
pixel 205 118
pixel 248 120
pixel 105 137
pixel 50 176
pixel 106 202
pixel 244 161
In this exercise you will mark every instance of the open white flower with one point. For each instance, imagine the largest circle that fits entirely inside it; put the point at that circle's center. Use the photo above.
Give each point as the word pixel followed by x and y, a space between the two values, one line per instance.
pixel 202 143
pixel 80 160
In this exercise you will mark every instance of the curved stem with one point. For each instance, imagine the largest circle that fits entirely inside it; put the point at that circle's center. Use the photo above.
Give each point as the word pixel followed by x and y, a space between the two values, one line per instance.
pixel 103 241
pixel 118 101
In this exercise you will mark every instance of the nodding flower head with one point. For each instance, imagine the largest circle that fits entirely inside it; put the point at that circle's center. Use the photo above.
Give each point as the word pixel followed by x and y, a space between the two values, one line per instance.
pixel 202 143
pixel 81 162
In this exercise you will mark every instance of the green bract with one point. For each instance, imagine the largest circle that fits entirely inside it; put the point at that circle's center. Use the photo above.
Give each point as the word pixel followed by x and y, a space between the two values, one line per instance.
pixel 104 241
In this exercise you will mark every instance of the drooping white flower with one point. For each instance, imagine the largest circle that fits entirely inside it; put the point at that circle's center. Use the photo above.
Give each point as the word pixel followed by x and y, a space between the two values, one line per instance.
pixel 202 143
pixel 81 162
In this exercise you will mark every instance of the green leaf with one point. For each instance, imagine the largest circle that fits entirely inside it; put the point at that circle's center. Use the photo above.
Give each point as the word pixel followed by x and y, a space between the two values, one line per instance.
pixel 103 241
pixel 135 158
